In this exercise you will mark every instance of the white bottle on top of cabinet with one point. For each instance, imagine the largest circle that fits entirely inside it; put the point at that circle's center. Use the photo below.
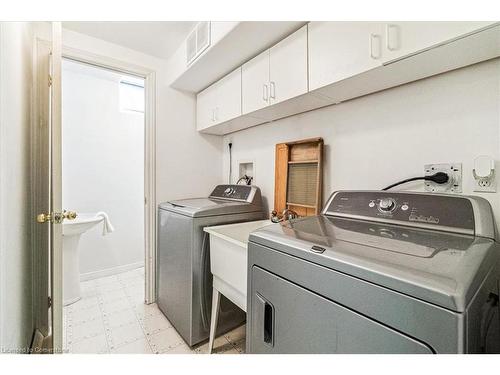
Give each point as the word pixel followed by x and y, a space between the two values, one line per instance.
pixel 219 102
pixel 277 74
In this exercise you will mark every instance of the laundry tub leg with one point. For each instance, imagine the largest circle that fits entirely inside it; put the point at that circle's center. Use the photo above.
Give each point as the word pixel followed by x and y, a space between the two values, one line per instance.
pixel 214 319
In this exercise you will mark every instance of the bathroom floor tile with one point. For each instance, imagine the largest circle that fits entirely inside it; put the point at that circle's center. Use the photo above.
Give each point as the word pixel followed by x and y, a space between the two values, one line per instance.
pixel 126 334
pixel 136 299
pixel 112 295
pixel 236 334
pixel 144 310
pixel 221 345
pixel 140 346
pixel 181 349
pixel 110 307
pixel 111 287
pixel 154 323
pixel 84 303
pixel 135 289
pixel 92 345
pixel 111 317
pixel 87 330
pixel 85 315
pixel 120 318
pixel 165 340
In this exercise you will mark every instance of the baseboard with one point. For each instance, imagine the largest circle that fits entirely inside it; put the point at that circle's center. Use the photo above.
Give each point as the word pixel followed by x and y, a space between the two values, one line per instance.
pixel 110 271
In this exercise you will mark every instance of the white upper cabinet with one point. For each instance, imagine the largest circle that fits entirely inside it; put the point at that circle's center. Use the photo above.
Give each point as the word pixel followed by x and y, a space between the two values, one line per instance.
pixel 205 107
pixel 255 83
pixel 325 63
pixel 277 74
pixel 228 97
pixel 339 50
pixel 405 38
pixel 288 67
pixel 220 102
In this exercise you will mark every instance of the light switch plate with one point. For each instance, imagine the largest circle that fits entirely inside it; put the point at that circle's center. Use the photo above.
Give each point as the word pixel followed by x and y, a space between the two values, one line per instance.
pixel 454 185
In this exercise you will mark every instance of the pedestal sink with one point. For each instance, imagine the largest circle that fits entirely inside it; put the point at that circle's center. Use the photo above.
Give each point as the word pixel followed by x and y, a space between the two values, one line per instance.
pixel 72 231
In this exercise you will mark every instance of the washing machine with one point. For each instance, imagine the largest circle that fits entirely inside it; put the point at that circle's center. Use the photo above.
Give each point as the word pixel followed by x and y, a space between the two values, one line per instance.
pixel 184 281
pixel 377 272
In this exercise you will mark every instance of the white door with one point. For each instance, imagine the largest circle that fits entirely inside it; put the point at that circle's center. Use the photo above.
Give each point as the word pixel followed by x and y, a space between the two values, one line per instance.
pixel 48 192
pixel 339 50
pixel 288 67
pixel 255 83
pixel 205 107
pixel 228 97
pixel 406 38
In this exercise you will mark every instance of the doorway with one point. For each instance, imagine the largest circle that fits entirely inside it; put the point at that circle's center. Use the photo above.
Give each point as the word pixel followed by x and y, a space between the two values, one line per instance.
pixel 103 180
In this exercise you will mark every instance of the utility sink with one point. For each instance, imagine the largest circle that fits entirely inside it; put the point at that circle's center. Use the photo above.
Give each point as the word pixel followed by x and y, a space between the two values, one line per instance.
pixel 228 258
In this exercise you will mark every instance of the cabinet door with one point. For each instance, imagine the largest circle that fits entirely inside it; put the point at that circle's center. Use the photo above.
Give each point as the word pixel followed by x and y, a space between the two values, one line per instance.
pixel 288 67
pixel 228 97
pixel 405 38
pixel 255 83
pixel 205 107
pixel 339 50
pixel 284 318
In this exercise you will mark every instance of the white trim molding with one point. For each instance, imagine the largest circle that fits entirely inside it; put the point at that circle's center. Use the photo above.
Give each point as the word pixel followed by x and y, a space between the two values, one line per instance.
pixel 110 271
pixel 149 76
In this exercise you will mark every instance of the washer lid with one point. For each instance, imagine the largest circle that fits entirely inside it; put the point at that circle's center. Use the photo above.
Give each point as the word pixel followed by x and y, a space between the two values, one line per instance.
pixel 202 207
pixel 441 268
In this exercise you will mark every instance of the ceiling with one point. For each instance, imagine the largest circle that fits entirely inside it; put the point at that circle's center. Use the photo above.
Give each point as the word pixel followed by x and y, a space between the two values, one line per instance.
pixel 159 39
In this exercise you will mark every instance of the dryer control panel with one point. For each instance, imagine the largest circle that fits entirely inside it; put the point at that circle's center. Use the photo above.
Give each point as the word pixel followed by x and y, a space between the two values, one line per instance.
pixel 452 213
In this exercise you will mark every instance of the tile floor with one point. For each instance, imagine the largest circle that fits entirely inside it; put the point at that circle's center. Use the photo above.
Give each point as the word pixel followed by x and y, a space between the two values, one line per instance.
pixel 111 317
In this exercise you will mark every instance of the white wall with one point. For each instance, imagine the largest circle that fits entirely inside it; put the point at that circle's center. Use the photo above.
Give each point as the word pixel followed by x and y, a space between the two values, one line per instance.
pixel 388 136
pixel 103 167
pixel 16 309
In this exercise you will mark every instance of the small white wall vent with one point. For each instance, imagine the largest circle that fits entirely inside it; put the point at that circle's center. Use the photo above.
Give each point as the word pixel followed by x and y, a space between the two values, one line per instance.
pixel 197 41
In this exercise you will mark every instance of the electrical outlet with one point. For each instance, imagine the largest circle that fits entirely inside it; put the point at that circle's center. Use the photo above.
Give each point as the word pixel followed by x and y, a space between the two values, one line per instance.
pixel 485 185
pixel 484 175
pixel 454 185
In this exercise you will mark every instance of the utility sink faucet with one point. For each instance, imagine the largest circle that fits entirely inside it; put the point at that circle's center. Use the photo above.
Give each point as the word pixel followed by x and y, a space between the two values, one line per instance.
pixel 286 215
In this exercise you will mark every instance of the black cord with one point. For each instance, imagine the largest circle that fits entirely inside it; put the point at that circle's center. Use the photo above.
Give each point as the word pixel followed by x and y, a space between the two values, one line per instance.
pixel 247 179
pixel 230 161
pixel 438 178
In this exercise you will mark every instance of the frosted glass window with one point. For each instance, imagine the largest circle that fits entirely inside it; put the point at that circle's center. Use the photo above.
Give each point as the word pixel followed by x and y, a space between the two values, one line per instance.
pixel 131 97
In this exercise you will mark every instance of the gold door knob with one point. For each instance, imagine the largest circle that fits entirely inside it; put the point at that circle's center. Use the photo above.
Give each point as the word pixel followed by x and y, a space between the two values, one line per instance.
pixel 70 215
pixel 56 217
pixel 43 218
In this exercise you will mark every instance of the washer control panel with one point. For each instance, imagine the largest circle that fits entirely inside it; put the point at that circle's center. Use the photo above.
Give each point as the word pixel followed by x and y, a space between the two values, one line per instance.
pixel 453 213
pixel 233 192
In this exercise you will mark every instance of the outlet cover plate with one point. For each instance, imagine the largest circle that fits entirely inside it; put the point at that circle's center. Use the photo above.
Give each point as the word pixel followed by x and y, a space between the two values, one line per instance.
pixel 454 185
pixel 485 185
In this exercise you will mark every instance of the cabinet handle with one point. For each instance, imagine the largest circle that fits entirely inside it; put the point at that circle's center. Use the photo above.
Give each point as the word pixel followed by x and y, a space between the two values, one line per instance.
pixel 272 90
pixel 392 35
pixel 213 114
pixel 375 41
pixel 265 93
